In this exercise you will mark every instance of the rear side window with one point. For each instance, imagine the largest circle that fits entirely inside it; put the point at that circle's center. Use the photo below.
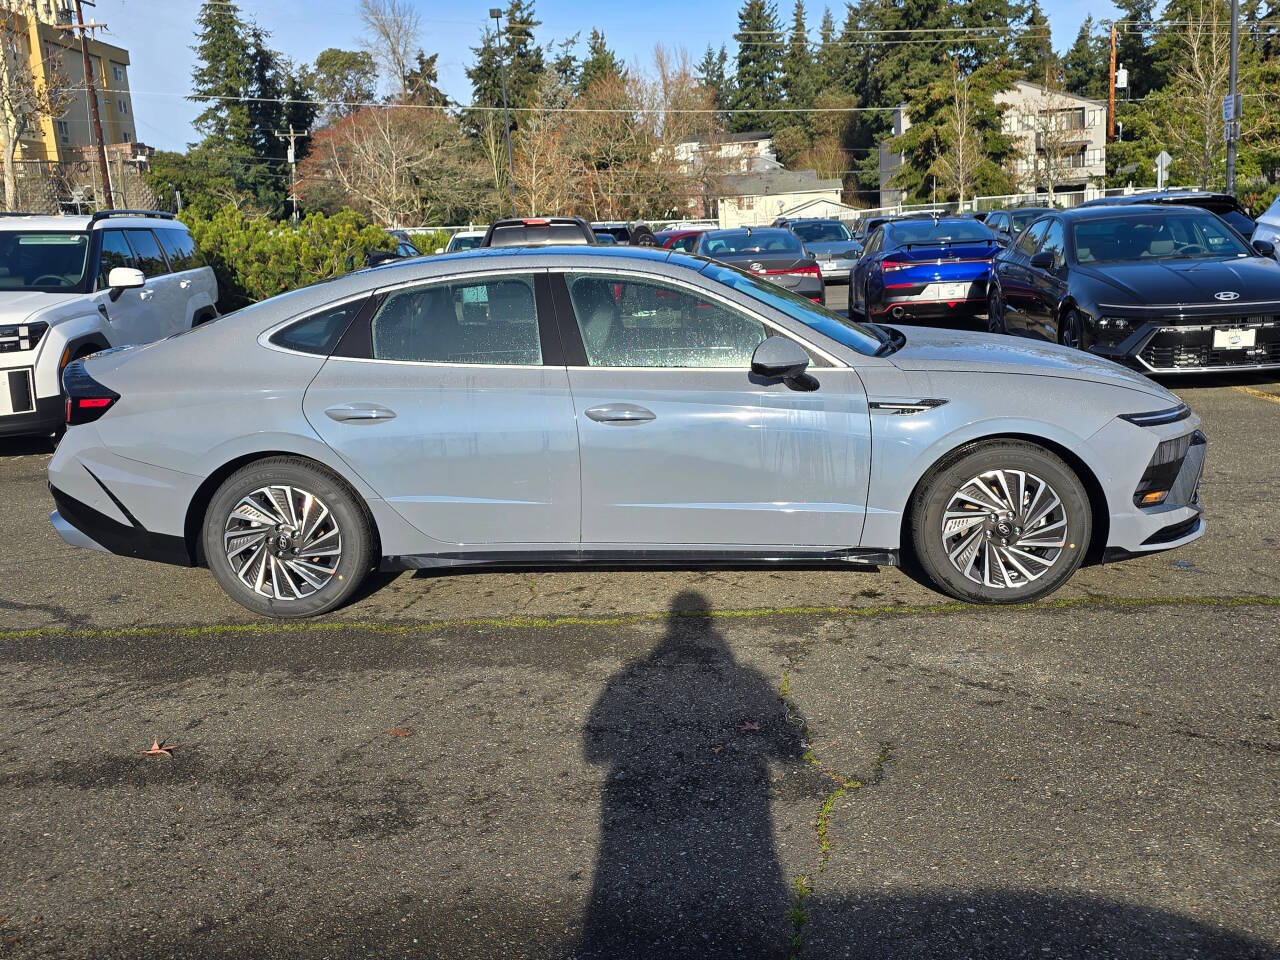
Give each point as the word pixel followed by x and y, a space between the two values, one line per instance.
pixel 146 253
pixel 490 321
pixel 517 234
pixel 180 249
pixel 115 253
pixel 320 332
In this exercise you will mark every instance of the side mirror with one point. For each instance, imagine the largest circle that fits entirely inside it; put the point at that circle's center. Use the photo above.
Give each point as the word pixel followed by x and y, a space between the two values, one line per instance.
pixel 1042 260
pixel 1265 247
pixel 121 279
pixel 778 357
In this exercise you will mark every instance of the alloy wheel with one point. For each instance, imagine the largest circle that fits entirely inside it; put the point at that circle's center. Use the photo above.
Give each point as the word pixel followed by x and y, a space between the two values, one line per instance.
pixel 995 312
pixel 282 542
pixel 1004 528
pixel 1070 335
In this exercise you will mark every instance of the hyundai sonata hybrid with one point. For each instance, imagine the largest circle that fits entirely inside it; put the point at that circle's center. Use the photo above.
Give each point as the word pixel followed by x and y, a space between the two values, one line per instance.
pixel 556 406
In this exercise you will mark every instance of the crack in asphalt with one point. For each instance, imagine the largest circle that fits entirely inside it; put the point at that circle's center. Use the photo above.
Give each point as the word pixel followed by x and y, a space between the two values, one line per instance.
pixel 842 786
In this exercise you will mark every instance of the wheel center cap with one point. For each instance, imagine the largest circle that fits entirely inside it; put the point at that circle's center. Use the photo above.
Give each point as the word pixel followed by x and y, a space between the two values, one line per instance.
pixel 1004 528
pixel 284 543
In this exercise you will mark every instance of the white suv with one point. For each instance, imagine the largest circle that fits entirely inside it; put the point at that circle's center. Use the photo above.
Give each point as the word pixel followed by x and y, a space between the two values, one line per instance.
pixel 71 286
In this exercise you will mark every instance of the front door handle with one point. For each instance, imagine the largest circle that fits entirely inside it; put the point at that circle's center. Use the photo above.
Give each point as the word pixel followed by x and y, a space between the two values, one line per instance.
pixel 146 294
pixel 360 413
pixel 621 413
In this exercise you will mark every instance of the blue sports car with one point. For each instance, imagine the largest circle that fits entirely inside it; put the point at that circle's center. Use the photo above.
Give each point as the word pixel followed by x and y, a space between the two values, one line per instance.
pixel 923 269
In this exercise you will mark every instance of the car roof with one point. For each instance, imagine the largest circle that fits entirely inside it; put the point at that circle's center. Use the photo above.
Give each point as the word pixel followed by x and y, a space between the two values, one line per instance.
pixel 575 251
pixel 468 233
pixel 747 231
pixel 77 222
pixel 1160 197
pixel 940 220
pixel 1104 210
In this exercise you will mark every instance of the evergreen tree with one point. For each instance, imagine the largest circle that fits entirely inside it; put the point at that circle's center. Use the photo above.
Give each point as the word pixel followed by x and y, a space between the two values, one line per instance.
pixel 566 67
pixel 422 82
pixel 713 72
pixel 344 78
pixel 1086 66
pixel 221 77
pixel 600 62
pixel 798 68
pixel 1033 52
pixel 759 70
pixel 524 58
pixel 827 72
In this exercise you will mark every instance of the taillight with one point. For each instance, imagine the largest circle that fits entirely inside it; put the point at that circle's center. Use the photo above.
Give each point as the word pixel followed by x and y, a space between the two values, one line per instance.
pixel 888 266
pixel 87 399
pixel 795 272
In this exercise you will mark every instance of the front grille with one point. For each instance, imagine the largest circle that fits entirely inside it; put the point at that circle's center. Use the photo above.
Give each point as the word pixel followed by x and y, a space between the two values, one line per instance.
pixel 1191 347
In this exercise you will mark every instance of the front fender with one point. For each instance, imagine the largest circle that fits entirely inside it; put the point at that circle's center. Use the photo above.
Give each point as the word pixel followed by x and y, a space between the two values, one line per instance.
pixel 75 332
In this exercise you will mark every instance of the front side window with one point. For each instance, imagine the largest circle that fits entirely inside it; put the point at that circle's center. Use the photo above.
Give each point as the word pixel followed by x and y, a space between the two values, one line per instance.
pixel 115 253
pixel 1031 237
pixel 631 322
pixel 485 321
pixel 146 253
pixel 44 261
pixel 1054 242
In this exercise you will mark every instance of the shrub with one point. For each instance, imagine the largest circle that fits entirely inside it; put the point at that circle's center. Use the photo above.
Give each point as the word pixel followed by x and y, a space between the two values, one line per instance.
pixel 255 258
pixel 428 240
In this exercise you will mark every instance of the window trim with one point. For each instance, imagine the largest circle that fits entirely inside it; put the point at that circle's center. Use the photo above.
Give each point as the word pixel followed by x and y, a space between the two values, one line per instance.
pixel 546 325
pixel 264 338
pixel 571 334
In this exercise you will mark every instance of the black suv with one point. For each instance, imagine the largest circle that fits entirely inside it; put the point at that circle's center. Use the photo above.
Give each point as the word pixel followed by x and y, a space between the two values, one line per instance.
pixel 538 232
pixel 1223 204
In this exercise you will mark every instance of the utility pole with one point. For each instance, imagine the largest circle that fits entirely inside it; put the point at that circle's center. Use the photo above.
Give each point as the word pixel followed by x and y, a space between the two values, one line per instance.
pixel 1233 124
pixel 84 30
pixel 495 12
pixel 291 136
pixel 1111 97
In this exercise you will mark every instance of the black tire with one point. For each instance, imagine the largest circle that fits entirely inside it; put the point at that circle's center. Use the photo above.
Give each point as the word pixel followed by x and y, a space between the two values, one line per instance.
pixel 935 494
pixel 1071 330
pixel 995 311
pixel 354 537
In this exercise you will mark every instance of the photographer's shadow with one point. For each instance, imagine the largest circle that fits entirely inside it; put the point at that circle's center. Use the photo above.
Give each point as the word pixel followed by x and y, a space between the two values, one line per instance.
pixel 686 864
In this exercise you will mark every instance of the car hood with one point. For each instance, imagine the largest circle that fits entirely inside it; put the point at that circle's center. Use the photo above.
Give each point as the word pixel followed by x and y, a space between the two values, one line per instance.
pixel 1187 282
pixel 964 351
pixel 18 305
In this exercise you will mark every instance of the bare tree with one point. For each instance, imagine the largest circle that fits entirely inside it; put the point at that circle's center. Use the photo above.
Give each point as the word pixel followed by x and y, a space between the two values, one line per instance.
pixel 960 158
pixel 398 165
pixel 1050 149
pixel 27 96
pixel 393 27
pixel 544 166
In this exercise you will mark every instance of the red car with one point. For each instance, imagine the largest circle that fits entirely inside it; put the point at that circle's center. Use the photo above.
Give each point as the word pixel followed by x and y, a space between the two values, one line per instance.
pixel 678 239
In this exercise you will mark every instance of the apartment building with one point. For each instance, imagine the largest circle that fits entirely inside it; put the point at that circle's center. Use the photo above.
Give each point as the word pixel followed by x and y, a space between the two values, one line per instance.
pixel 1060 143
pixel 35 32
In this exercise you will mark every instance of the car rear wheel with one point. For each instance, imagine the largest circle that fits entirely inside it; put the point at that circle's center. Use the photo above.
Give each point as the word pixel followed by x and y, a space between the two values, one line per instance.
pixel 287 539
pixel 995 311
pixel 1004 521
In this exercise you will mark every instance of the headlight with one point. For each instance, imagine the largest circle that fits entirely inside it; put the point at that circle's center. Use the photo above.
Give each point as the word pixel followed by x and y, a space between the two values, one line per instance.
pixel 1158 417
pixel 20 336
pixel 1115 326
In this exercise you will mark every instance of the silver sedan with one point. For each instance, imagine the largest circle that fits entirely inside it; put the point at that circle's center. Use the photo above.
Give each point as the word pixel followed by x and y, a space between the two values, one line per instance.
pixel 562 406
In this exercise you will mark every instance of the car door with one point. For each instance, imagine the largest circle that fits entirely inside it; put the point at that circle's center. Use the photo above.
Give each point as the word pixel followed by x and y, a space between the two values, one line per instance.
pixel 454 406
pixel 1048 284
pixel 127 315
pixel 1013 270
pixel 682 445
pixel 858 282
pixel 164 305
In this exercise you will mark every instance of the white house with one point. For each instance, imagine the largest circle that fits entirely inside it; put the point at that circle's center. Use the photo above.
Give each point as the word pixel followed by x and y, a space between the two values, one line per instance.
pixel 756 199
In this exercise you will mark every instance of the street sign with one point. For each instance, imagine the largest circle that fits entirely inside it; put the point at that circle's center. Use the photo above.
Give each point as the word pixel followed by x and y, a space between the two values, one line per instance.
pixel 1231 110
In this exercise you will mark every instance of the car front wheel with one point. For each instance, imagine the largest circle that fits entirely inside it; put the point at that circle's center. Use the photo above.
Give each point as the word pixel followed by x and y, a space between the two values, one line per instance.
pixel 1071 330
pixel 1004 521
pixel 287 539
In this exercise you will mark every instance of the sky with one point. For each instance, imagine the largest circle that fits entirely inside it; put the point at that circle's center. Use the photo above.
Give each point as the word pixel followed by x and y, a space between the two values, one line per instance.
pixel 159 33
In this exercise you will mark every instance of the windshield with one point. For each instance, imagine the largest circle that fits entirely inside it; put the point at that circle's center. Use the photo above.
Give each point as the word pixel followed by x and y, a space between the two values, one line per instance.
pixel 1023 220
pixel 952 231
pixel 758 241
pixel 45 261
pixel 1164 235
pixel 821 232
pixel 464 243
pixel 858 336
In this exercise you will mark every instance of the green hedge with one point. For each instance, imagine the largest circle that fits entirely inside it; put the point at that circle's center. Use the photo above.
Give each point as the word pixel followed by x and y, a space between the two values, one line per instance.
pixel 256 258
pixel 427 241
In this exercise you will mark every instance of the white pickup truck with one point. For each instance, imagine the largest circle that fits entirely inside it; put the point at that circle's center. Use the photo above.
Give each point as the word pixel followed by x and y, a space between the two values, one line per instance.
pixel 74 285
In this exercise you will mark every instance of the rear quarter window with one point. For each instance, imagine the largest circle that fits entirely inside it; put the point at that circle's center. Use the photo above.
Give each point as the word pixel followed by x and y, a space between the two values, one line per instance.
pixel 320 332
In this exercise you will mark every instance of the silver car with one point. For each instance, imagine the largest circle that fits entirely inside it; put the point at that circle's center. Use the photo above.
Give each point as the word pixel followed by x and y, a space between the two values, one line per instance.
pixel 562 406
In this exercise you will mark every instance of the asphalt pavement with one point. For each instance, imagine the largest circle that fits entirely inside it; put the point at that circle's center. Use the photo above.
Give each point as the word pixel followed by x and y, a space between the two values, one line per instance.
pixel 651 764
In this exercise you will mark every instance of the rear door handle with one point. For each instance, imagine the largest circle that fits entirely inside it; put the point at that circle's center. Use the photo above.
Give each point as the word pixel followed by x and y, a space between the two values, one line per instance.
pixel 621 413
pixel 360 413
pixel 184 284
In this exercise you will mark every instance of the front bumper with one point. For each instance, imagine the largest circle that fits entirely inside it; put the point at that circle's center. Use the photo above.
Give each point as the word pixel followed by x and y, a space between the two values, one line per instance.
pixel 43 415
pixel 1200 346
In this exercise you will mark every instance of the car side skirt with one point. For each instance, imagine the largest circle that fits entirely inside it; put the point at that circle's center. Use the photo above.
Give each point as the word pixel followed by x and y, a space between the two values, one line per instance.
pixel 645 557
